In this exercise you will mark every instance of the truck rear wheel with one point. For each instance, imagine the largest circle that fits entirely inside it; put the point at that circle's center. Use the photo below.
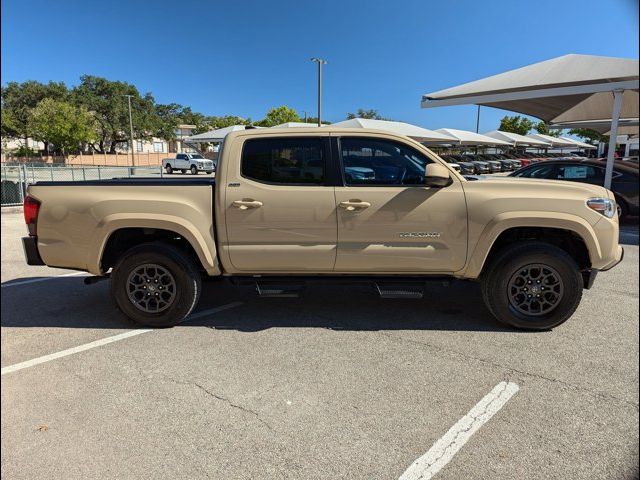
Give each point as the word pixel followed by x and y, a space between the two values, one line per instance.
pixel 169 169
pixel 155 285
pixel 532 285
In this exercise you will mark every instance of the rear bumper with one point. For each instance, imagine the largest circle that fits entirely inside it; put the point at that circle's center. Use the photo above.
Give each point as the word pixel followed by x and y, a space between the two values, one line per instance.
pixel 31 254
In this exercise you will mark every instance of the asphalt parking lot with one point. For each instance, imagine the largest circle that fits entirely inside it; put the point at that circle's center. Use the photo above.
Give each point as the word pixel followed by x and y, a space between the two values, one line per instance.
pixel 336 384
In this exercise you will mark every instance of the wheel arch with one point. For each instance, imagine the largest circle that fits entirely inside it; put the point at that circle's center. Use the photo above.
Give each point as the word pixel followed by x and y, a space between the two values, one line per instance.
pixel 571 233
pixel 120 234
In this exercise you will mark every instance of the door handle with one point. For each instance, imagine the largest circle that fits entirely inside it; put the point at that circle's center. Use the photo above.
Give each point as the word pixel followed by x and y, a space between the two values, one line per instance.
pixel 246 204
pixel 353 205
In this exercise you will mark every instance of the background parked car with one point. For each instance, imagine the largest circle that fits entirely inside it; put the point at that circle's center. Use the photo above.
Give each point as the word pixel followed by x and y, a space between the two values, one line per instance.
pixel 624 182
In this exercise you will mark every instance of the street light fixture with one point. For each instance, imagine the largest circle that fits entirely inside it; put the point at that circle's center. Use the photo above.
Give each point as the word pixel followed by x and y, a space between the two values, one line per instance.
pixel 320 62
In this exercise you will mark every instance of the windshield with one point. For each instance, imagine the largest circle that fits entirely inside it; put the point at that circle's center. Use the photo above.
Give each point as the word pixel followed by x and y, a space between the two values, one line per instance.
pixel 197 156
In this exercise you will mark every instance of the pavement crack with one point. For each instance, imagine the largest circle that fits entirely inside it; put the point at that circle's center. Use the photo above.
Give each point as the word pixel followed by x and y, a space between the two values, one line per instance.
pixel 474 420
pixel 220 398
pixel 510 370
pixel 234 405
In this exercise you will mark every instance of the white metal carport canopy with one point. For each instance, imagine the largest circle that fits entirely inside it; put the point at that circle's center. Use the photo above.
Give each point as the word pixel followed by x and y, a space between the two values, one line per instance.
pixel 417 133
pixel 563 89
pixel 464 137
pixel 517 140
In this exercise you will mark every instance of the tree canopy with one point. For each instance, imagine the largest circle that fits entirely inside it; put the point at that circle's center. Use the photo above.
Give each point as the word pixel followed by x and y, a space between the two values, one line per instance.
pixel 591 136
pixel 62 124
pixel 516 124
pixel 371 114
pixel 278 115
pixel 543 129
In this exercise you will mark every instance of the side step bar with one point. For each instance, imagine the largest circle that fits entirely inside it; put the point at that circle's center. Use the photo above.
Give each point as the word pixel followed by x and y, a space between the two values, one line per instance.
pixel 399 290
pixel 272 290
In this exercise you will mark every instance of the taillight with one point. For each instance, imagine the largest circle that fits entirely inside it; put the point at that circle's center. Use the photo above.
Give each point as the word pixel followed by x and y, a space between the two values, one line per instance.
pixel 31 208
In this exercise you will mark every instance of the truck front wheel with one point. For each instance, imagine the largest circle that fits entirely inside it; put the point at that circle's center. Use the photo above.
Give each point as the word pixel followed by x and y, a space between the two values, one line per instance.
pixel 532 285
pixel 155 285
pixel 194 170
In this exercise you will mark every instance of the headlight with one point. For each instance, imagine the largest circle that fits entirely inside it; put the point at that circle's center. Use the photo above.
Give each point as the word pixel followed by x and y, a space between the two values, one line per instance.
pixel 602 205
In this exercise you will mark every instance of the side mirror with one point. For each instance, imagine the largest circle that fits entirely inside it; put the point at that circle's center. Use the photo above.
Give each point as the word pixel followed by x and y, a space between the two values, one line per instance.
pixel 436 175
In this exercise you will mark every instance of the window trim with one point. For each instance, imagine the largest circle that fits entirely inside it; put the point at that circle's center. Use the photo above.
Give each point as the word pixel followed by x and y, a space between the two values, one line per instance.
pixel 324 148
pixel 378 185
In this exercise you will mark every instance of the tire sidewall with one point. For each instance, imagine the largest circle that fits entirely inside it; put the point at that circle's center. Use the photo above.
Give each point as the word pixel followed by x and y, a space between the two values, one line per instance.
pixel 187 285
pixel 572 284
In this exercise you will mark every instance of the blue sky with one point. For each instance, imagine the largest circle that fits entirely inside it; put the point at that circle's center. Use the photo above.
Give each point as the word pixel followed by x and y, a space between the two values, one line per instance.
pixel 243 57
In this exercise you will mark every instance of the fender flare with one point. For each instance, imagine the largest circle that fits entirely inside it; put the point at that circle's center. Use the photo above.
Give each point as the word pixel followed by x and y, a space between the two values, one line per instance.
pixel 205 250
pixel 508 220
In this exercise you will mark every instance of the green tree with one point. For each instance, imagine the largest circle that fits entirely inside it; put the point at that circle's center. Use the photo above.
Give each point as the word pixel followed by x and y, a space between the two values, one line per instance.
pixel 9 129
pixel 62 124
pixel 591 136
pixel 19 99
pixel 314 121
pixel 516 124
pixel 371 114
pixel 278 115
pixel 543 129
pixel 227 121
pixel 107 100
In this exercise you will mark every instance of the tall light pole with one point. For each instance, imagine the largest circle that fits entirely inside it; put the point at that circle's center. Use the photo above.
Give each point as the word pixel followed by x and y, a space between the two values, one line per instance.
pixel 133 163
pixel 478 120
pixel 320 62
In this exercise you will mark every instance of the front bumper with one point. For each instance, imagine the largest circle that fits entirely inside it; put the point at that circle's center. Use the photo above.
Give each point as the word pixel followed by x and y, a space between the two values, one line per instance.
pixel 31 254
pixel 616 262
pixel 589 276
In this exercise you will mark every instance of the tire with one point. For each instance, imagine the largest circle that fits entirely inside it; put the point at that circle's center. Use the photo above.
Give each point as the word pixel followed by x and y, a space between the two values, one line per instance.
pixel 623 209
pixel 168 169
pixel 183 280
pixel 504 282
pixel 194 170
pixel 209 172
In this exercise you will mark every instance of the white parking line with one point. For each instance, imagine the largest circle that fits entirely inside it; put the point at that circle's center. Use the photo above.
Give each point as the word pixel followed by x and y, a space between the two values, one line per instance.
pixel 446 447
pixel 34 280
pixel 104 341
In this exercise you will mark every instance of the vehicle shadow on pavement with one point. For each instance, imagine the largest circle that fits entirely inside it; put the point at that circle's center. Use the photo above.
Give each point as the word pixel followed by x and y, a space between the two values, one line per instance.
pixel 68 303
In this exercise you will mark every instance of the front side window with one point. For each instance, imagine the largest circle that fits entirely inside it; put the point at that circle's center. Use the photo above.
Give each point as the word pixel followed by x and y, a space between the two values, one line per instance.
pixel 284 160
pixel 373 161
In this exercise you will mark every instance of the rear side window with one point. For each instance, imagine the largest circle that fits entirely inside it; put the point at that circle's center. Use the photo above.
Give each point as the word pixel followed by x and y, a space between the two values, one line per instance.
pixel 291 161
pixel 580 172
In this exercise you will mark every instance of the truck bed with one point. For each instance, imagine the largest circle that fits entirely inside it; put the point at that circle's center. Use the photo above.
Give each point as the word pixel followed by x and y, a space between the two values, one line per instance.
pixel 124 181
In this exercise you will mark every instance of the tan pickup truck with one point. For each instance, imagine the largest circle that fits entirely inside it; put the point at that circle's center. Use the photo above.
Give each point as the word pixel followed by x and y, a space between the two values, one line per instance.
pixel 288 208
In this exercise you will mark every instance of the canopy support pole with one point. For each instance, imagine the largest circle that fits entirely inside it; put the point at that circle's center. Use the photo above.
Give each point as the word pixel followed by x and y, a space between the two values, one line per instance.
pixel 613 137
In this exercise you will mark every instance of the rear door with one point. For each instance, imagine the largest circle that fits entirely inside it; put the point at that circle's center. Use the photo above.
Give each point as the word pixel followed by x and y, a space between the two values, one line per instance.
pixel 280 207
pixel 388 220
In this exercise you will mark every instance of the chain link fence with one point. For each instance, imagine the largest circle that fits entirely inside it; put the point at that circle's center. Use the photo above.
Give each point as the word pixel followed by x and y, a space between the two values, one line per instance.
pixel 15 178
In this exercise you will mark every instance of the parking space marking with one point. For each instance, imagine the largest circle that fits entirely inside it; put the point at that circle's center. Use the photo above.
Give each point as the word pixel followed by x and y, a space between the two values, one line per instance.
pixel 447 446
pixel 104 341
pixel 34 280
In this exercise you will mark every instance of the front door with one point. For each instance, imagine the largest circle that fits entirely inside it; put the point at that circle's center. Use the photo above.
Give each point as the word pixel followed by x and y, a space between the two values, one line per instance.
pixel 280 211
pixel 388 220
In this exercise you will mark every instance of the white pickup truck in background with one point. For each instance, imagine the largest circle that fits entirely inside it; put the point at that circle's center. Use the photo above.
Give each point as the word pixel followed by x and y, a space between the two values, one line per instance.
pixel 193 162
